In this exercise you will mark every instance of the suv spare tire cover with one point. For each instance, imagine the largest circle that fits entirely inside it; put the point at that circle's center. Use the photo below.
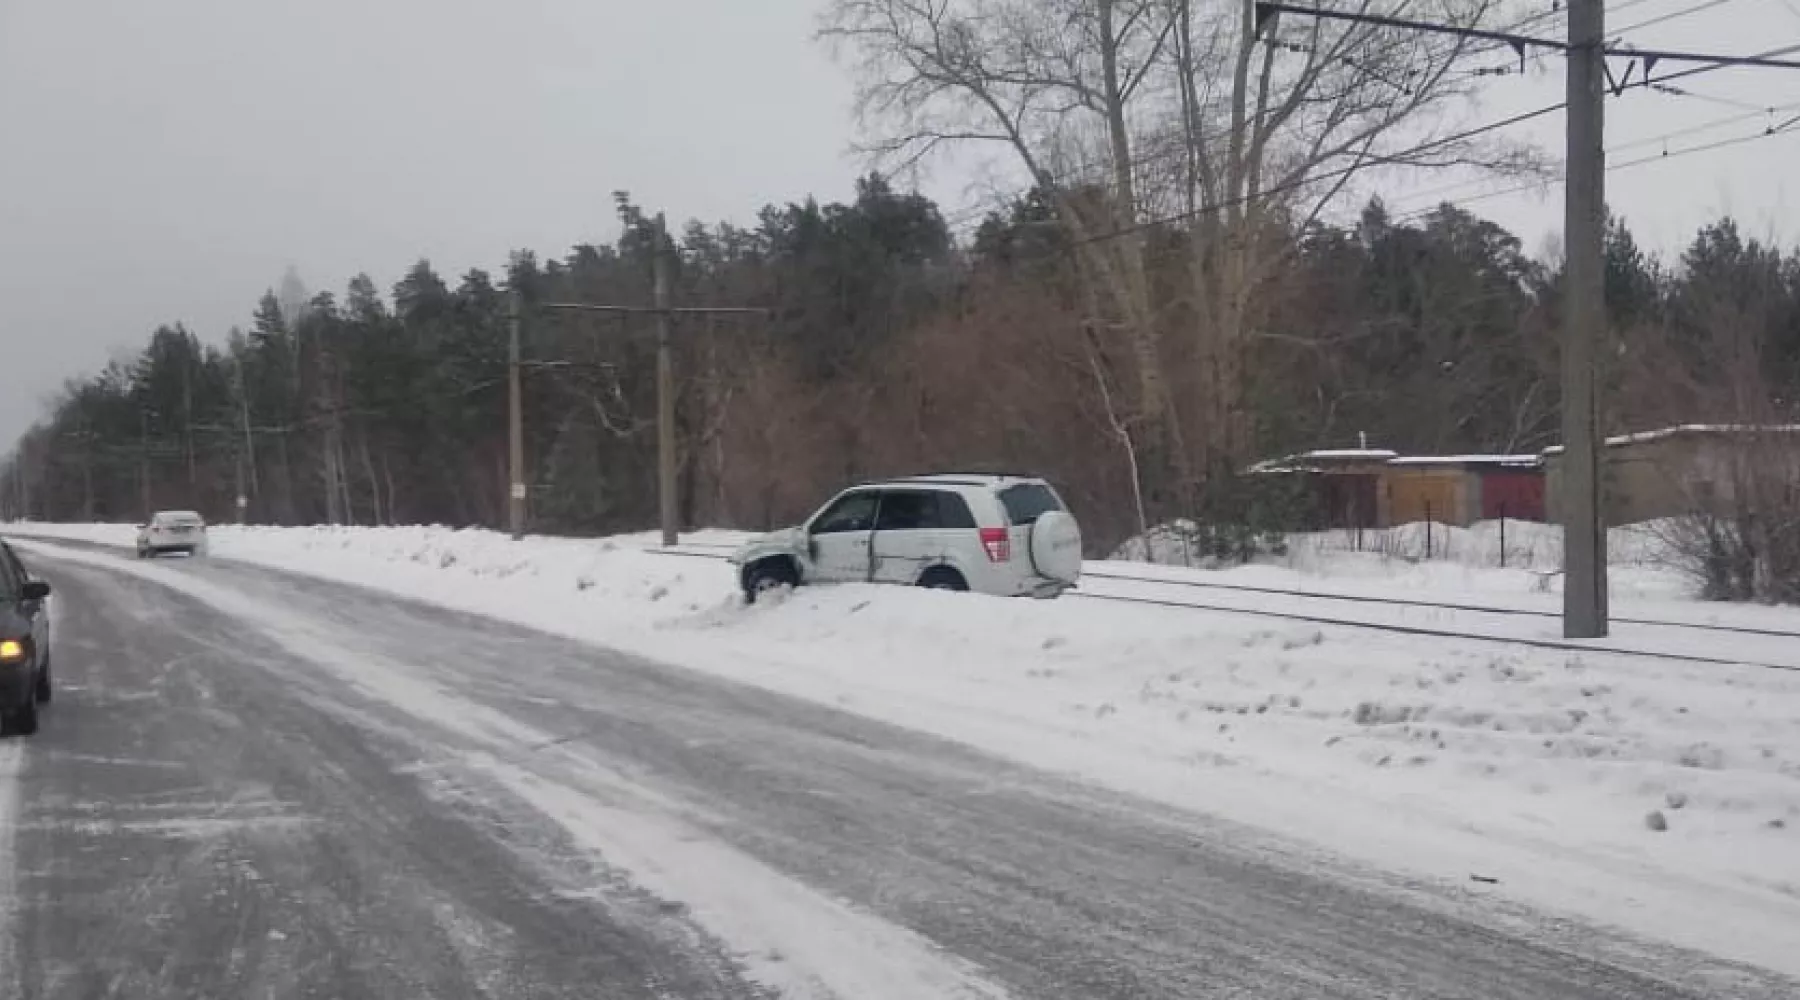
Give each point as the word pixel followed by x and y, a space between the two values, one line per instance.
pixel 1056 546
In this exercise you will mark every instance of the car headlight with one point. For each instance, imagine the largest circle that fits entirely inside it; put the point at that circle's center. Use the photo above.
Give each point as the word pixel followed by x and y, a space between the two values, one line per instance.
pixel 11 650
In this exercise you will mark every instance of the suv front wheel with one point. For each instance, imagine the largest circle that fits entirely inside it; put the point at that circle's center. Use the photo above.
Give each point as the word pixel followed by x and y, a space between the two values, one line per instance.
pixel 767 575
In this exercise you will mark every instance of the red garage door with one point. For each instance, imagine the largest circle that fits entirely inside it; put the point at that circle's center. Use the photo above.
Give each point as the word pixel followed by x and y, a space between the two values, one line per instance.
pixel 1513 493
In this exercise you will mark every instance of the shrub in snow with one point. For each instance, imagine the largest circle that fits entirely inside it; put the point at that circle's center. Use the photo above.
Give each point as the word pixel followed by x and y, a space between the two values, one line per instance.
pixel 1675 800
pixel 1293 642
pixel 1742 557
pixel 1239 519
pixel 1374 713
pixel 1655 821
pixel 1703 756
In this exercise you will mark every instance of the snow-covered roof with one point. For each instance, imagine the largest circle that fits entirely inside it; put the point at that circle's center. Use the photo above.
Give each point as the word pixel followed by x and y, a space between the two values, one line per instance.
pixel 1663 433
pixel 1508 460
pixel 1280 466
pixel 1348 454
pixel 1318 461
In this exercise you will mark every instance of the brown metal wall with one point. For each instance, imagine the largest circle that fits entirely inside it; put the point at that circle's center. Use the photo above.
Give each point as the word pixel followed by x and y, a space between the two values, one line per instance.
pixel 1418 495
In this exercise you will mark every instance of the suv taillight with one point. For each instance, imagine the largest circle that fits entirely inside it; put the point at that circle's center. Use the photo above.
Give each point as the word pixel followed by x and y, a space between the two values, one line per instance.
pixel 998 544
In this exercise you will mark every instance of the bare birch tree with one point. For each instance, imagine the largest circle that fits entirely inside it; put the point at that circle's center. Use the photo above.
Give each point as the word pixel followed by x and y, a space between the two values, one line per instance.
pixel 1132 112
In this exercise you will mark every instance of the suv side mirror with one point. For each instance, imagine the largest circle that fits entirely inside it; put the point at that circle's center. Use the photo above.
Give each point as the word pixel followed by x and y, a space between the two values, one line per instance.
pixel 34 590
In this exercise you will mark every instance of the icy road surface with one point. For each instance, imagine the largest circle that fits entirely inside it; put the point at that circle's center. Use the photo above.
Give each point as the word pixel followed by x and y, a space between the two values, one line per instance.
pixel 257 785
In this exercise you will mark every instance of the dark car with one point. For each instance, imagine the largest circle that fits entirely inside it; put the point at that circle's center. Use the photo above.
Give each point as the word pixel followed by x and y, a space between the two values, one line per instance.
pixel 24 646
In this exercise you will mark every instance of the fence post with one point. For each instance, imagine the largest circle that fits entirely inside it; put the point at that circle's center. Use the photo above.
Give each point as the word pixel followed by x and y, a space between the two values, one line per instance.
pixel 1503 534
pixel 1428 530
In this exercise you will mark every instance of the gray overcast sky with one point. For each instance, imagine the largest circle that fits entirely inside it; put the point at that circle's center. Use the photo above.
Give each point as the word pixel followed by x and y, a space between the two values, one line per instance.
pixel 166 160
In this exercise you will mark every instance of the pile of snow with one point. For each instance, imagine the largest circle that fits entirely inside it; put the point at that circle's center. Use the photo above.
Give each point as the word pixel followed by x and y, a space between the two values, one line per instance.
pixel 1443 758
pixel 615 581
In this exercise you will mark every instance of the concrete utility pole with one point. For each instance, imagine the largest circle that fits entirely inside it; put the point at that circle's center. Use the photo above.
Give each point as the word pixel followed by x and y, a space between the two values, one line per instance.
pixel 1584 321
pixel 515 423
pixel 665 393
pixel 248 455
pixel 667 460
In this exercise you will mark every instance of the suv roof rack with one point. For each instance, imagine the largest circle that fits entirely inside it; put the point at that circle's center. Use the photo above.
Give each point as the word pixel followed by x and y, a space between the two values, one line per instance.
pixel 965 475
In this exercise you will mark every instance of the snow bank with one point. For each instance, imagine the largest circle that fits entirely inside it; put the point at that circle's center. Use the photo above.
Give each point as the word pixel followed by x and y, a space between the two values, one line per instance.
pixel 1444 759
pixel 616 581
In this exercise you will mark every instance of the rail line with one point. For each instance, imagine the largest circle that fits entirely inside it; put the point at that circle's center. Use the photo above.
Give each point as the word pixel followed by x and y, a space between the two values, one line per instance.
pixel 709 551
pixel 1441 605
pixel 1562 645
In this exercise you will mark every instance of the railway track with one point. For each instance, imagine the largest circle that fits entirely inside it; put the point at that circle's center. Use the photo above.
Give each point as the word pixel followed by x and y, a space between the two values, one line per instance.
pixel 1487 609
pixel 1165 600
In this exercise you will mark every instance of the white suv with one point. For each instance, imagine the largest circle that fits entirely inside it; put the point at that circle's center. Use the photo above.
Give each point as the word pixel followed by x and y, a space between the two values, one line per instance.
pixel 1004 535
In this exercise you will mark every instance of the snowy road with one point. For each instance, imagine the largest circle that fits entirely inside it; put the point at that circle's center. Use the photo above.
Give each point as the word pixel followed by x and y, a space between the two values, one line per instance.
pixel 258 785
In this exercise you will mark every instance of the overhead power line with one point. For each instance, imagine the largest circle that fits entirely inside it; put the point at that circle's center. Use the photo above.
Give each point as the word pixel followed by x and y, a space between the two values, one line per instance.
pixel 1520 43
pixel 1098 170
pixel 1697 70
pixel 1664 88
pixel 1361 164
pixel 1786 128
pixel 1709 125
pixel 1662 19
pixel 1711 63
pixel 1429 200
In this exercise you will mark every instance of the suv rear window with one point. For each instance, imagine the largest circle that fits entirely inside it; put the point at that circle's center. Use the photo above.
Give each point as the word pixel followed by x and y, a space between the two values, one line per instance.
pixel 1025 502
pixel 953 511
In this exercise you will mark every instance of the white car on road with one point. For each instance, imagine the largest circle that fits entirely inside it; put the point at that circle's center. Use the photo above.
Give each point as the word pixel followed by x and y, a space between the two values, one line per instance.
pixel 1004 535
pixel 172 531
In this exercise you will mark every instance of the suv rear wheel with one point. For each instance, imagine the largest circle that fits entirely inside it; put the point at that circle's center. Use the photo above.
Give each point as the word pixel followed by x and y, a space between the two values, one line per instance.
pixel 943 578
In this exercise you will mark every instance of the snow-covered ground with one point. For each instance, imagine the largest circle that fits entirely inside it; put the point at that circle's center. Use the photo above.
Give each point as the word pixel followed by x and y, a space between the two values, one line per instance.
pixel 1449 760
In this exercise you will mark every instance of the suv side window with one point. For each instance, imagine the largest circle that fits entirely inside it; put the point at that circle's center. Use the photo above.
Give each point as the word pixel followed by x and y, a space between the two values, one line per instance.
pixel 1025 502
pixel 851 512
pixel 908 510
